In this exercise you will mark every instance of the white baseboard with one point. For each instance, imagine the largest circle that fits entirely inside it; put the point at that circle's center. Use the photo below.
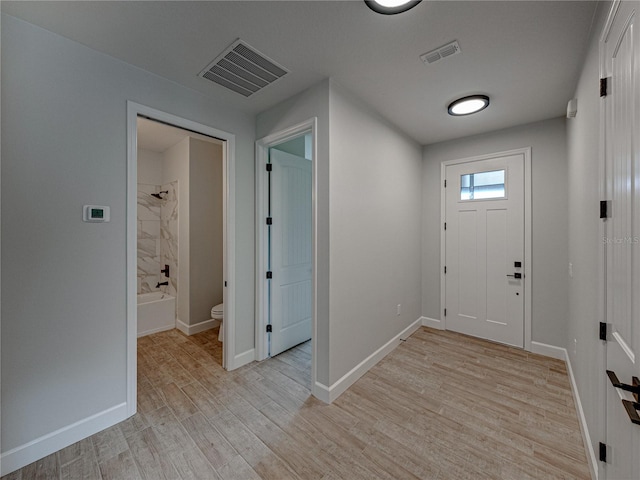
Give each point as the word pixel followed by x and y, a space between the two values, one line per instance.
pixel 198 327
pixel 549 351
pixel 321 392
pixel 155 330
pixel 432 322
pixel 243 358
pixel 52 442
pixel 329 394
pixel 586 438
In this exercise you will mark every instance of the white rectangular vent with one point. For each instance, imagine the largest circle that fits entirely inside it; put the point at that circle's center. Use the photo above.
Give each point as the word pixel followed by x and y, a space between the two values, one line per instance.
pixel 243 69
pixel 447 50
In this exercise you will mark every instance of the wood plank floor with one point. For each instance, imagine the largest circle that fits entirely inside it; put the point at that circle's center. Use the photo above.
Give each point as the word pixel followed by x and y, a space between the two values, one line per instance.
pixel 440 406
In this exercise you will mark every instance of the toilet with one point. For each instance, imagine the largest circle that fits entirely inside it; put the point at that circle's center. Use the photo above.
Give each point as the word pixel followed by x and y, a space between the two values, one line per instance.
pixel 217 313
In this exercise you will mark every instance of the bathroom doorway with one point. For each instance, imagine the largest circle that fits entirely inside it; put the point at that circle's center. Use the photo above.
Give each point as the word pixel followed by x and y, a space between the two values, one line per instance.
pixel 285 286
pixel 179 237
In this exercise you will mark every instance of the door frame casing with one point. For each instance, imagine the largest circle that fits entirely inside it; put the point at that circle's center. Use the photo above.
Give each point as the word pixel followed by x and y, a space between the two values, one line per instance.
pixel 526 152
pixel 601 425
pixel 262 246
pixel 228 171
pixel 606 188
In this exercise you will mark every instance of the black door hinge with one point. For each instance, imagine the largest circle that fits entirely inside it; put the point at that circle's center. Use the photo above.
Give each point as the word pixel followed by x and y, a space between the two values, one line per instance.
pixel 603 331
pixel 602 450
pixel 445 270
pixel 604 84
pixel 445 312
pixel 225 283
pixel 269 221
pixel 269 167
pixel 445 184
pixel 445 225
pixel 269 329
pixel 269 274
pixel 604 209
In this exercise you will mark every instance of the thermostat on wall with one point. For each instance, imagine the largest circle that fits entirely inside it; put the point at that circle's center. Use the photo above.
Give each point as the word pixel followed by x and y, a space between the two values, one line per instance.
pixel 96 213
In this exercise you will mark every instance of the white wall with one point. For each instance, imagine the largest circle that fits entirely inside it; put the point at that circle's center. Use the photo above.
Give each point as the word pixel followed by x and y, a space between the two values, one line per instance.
pixel 149 167
pixel 64 291
pixel 550 217
pixel 375 199
pixel 369 212
pixel 175 166
pixel 313 102
pixel 585 243
pixel 205 229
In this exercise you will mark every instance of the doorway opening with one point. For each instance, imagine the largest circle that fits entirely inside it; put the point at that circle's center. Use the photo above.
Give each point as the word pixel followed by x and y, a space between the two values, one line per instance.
pixel 286 247
pixel 179 235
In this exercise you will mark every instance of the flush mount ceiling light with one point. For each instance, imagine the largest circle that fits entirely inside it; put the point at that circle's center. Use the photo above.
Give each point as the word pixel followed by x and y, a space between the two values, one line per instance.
pixel 391 7
pixel 468 105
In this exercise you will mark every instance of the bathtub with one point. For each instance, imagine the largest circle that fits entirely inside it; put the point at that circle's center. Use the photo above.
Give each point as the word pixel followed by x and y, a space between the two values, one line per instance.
pixel 156 312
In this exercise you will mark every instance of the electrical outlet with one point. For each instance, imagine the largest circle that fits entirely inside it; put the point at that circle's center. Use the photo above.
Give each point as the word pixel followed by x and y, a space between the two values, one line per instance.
pixel 398 309
pixel 570 270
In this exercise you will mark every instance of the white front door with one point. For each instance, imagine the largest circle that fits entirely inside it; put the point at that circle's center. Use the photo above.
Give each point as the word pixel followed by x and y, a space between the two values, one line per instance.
pixel 484 248
pixel 621 62
pixel 290 251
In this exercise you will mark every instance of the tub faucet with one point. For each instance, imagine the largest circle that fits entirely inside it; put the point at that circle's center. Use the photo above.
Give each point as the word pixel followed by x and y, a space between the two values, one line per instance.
pixel 161 283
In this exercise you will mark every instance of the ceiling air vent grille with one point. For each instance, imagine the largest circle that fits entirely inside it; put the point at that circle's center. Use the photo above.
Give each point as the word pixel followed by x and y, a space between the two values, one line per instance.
pixel 243 69
pixel 445 51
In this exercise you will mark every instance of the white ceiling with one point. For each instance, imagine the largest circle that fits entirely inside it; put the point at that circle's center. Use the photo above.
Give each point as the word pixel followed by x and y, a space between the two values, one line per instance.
pixel 525 55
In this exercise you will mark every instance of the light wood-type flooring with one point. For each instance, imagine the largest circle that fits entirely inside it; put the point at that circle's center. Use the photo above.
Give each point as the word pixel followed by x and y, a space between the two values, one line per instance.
pixel 440 406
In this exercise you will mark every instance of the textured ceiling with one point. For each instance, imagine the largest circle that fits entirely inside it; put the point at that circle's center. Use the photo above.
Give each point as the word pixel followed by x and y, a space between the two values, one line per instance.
pixel 525 55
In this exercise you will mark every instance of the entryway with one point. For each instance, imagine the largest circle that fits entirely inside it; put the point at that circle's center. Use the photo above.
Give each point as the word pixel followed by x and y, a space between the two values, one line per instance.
pixel 177 267
pixel 485 245
pixel 285 253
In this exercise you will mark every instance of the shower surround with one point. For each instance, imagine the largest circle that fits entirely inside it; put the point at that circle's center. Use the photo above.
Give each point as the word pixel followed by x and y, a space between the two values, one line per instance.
pixel 157 237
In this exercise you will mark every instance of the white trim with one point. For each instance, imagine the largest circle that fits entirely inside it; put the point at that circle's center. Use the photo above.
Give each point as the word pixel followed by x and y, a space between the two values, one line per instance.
pixel 552 351
pixel 432 323
pixel 155 330
pixel 329 394
pixel 23 455
pixel 228 168
pixel 262 252
pixel 528 247
pixel 132 257
pixel 244 358
pixel 198 327
pixel 602 384
pixel 262 156
pixel 322 392
pixel 528 234
pixel 584 429
pixel 615 5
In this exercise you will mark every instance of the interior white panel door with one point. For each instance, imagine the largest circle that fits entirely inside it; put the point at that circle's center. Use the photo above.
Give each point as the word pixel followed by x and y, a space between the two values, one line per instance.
pixel 621 51
pixel 484 238
pixel 290 251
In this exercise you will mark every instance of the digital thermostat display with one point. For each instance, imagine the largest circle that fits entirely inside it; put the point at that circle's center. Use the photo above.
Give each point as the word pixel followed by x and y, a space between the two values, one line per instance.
pixel 96 213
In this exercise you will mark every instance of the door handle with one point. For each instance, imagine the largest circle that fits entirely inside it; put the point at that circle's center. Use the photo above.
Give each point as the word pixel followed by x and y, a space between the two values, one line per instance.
pixel 633 388
pixel 515 275
pixel 632 411
pixel 630 407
